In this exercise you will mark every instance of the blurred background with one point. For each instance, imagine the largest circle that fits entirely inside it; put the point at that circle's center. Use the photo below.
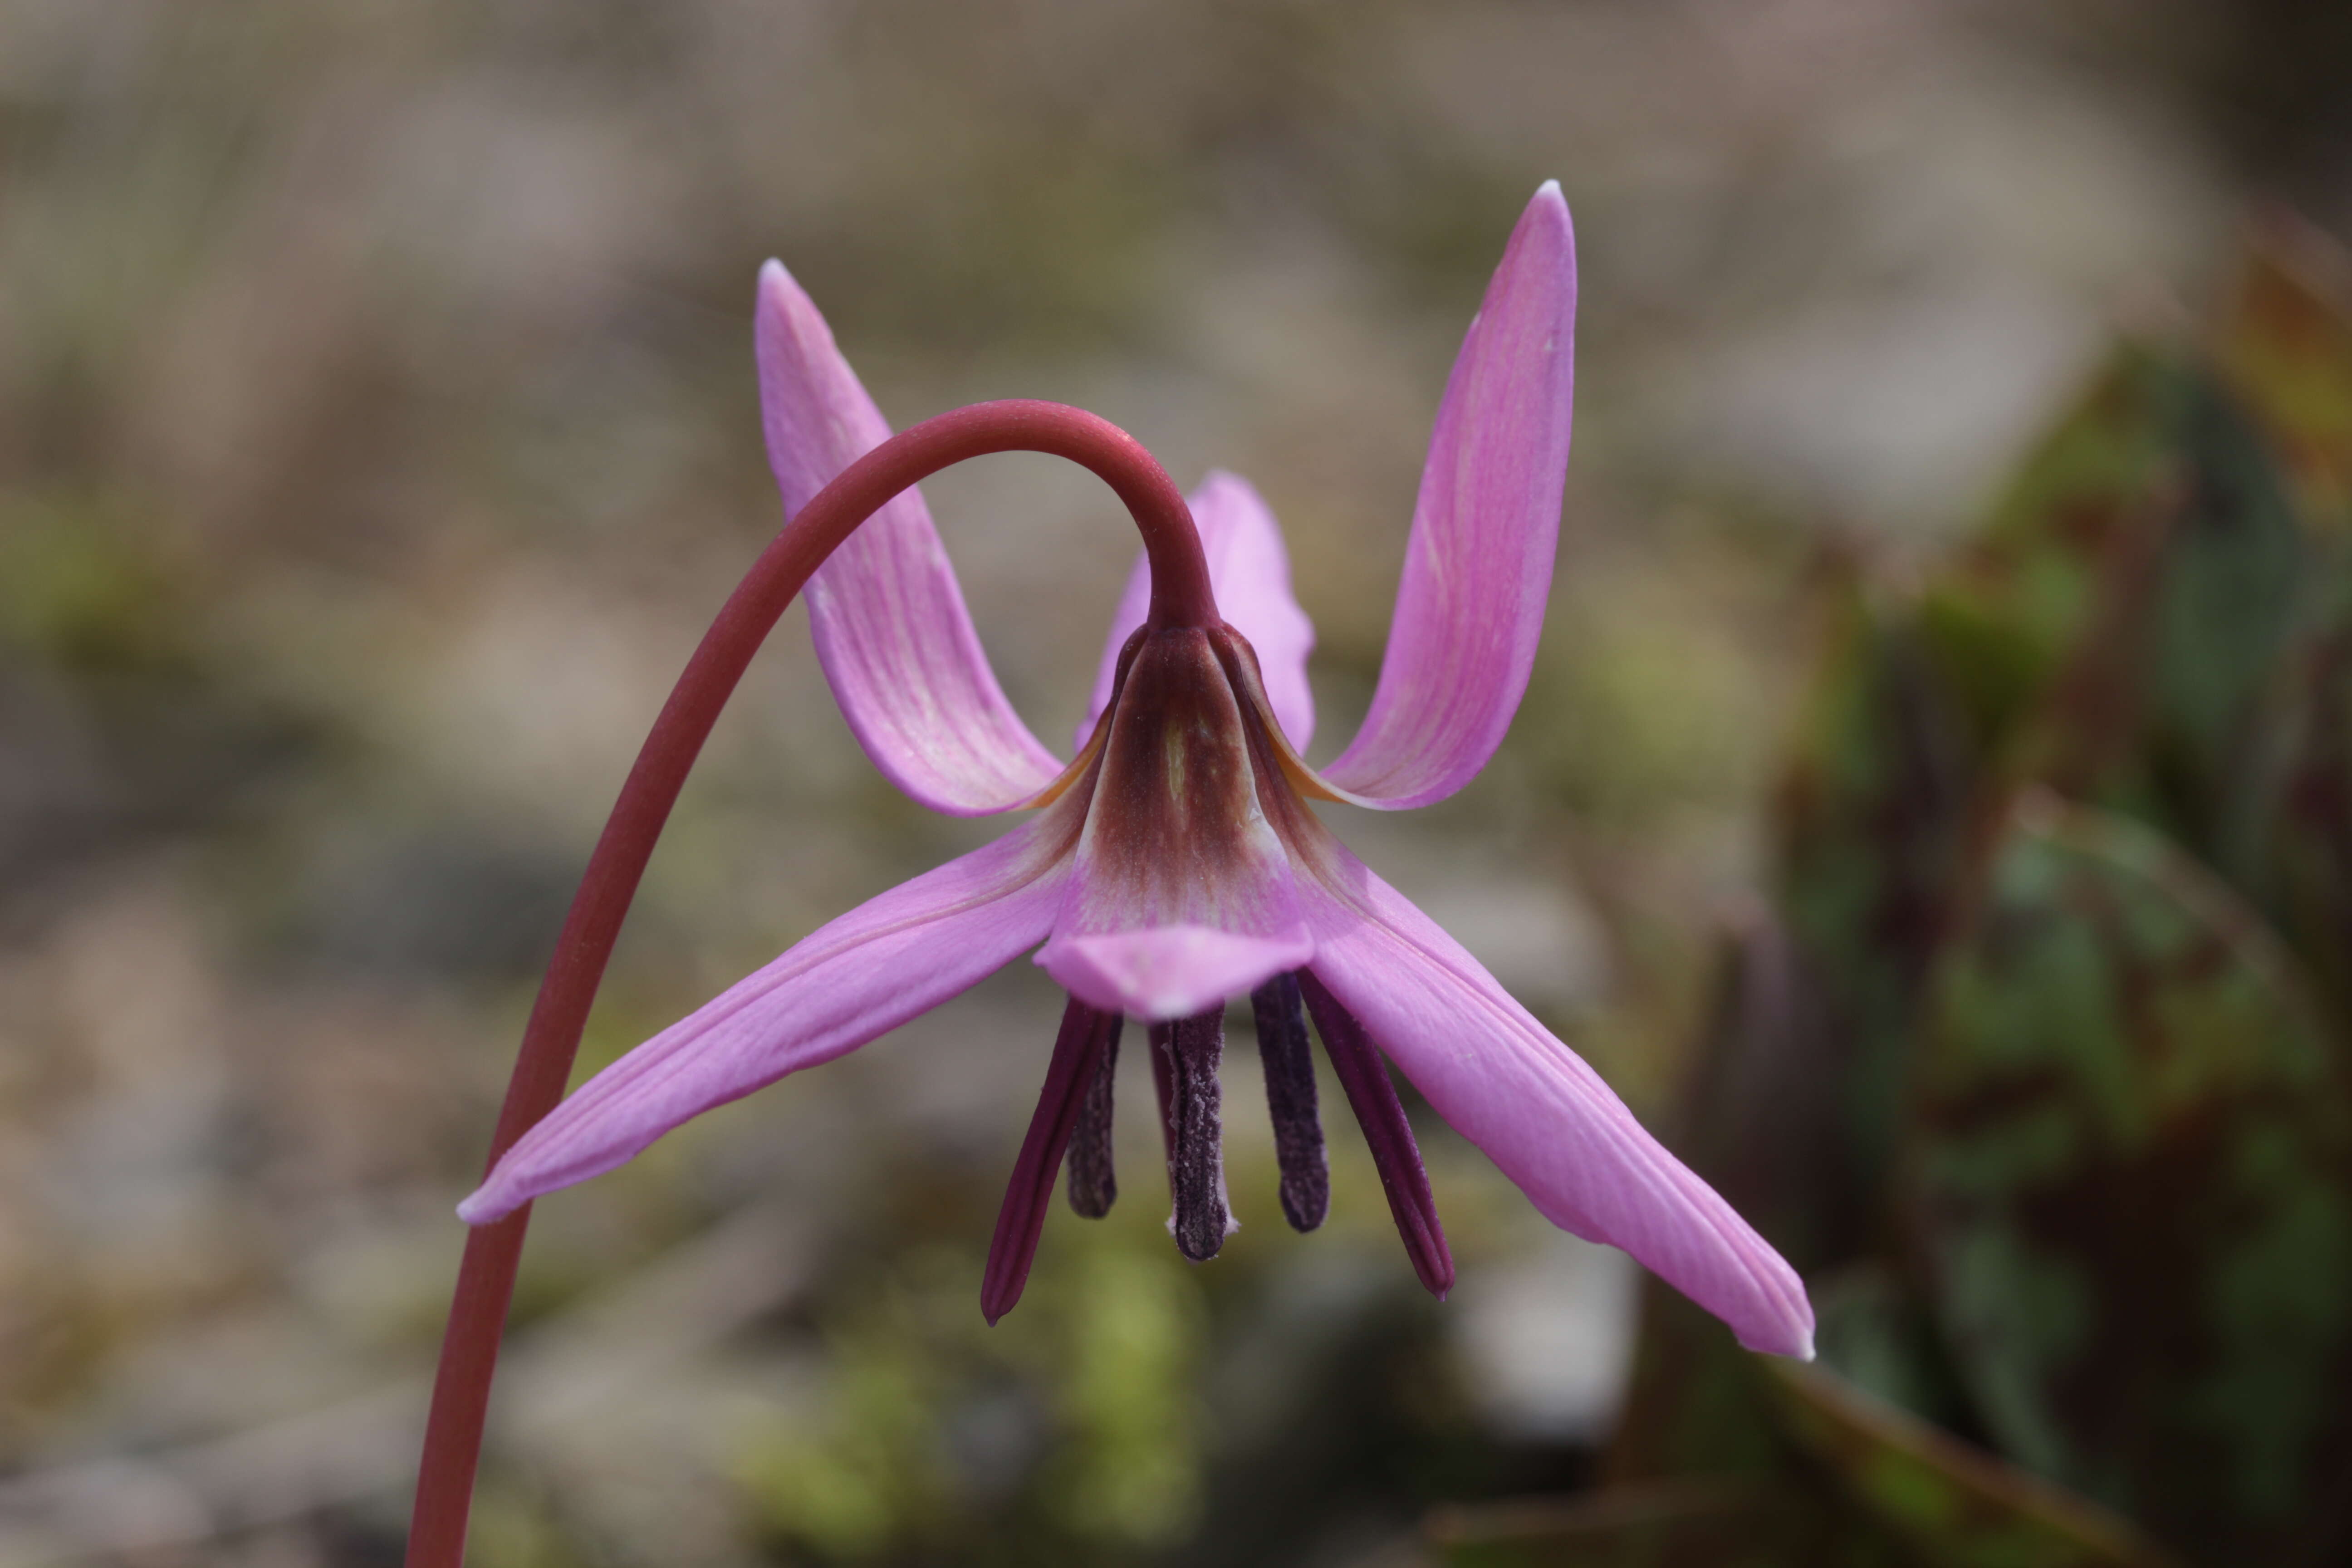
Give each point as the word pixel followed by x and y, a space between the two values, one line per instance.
pixel 378 431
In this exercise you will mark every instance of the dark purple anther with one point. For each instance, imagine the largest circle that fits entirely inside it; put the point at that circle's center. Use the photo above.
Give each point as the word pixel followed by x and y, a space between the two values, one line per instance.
pixel 1191 1049
pixel 1365 1078
pixel 1094 1184
pixel 1086 1033
pixel 1290 1101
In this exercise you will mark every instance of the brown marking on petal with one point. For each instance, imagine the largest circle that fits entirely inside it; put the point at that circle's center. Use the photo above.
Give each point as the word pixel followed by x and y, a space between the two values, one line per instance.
pixel 1278 757
pixel 1283 780
pixel 1065 815
pixel 1082 766
pixel 1174 826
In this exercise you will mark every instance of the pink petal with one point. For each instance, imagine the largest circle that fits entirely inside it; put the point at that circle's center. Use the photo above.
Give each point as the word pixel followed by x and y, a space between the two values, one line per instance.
pixel 1165 972
pixel 859 977
pixel 1543 1116
pixel 1250 570
pixel 1477 566
pixel 890 626
pixel 1181 895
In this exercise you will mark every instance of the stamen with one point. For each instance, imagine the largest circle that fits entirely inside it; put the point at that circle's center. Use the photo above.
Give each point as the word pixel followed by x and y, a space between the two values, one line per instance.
pixel 1094 1182
pixel 1191 1048
pixel 1365 1078
pixel 1290 1102
pixel 1077 1050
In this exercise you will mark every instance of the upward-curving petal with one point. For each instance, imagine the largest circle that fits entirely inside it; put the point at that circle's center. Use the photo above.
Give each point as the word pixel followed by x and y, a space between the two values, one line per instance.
pixel 891 626
pixel 862 975
pixel 1249 570
pixel 1478 563
pixel 1544 1117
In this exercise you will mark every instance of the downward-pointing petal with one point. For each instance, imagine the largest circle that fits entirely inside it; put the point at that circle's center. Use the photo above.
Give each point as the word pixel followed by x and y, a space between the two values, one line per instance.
pixel 1478 563
pixel 1250 570
pixel 889 622
pixel 1541 1114
pixel 1181 895
pixel 858 978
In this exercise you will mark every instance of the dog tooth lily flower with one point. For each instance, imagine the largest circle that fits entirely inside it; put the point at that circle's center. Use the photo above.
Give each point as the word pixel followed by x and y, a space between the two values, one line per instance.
pixel 1175 862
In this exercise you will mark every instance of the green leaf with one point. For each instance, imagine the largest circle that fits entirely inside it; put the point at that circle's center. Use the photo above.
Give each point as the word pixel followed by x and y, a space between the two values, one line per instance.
pixel 1700 1523
pixel 2113 631
pixel 1954 1505
pixel 2291 847
pixel 2286 340
pixel 2005 618
pixel 1875 1330
pixel 2134 1162
pixel 2236 571
pixel 1872 823
pixel 1692 1406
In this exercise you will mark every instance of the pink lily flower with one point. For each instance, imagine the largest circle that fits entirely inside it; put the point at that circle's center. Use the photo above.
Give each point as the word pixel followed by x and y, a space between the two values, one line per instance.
pixel 1175 863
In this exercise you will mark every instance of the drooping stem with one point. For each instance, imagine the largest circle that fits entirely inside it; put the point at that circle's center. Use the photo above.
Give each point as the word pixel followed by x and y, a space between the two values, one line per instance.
pixel 1181 596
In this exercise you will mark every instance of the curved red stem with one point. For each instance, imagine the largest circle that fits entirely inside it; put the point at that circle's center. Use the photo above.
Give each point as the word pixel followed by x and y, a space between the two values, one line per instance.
pixel 1181 596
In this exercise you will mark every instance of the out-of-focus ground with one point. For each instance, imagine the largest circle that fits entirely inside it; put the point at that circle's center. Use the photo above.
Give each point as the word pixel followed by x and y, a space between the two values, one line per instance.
pixel 377 430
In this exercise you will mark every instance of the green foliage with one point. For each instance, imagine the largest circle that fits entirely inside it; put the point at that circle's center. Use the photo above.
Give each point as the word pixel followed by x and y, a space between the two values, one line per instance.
pixel 78 591
pixel 2133 1187
pixel 1109 1330
pixel 2040 1063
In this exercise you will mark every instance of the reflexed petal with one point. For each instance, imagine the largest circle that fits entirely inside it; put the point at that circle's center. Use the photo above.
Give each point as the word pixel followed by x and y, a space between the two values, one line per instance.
pixel 1478 563
pixel 1181 895
pixel 1544 1117
pixel 859 977
pixel 891 626
pixel 1250 570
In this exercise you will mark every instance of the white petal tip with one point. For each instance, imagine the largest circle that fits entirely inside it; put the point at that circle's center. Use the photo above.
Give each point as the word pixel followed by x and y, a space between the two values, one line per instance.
pixel 481 1208
pixel 779 296
pixel 1797 1346
pixel 1550 207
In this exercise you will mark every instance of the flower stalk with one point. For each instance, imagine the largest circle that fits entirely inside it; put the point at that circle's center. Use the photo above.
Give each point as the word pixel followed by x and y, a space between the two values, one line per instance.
pixel 1181 596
